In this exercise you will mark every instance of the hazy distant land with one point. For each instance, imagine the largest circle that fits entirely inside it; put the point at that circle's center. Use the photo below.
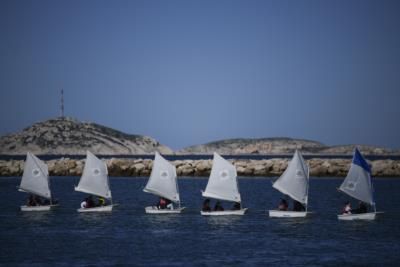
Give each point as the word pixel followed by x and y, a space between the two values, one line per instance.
pixel 65 136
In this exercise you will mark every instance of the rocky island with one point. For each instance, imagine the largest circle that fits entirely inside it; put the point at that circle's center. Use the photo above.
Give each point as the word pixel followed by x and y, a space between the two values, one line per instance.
pixel 65 136
pixel 280 146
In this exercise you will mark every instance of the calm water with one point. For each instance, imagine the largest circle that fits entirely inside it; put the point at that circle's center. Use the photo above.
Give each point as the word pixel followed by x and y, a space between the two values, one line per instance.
pixel 129 237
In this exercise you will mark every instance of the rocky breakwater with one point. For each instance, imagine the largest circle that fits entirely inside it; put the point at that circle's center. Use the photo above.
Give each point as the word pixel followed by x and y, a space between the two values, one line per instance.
pixel 142 167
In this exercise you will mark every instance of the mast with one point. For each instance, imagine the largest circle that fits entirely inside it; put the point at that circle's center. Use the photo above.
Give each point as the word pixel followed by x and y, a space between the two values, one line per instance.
pixel 62 103
pixel 237 185
pixel 108 183
pixel 308 185
pixel 373 191
pixel 177 190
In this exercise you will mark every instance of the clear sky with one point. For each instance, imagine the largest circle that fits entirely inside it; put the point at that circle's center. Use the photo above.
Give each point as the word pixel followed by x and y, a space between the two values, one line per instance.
pixel 189 72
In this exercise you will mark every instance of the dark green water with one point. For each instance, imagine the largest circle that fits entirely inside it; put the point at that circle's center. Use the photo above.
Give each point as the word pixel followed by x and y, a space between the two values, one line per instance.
pixel 128 236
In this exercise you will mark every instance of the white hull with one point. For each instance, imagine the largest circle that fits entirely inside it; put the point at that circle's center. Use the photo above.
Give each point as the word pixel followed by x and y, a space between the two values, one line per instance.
pixel 97 209
pixel 360 216
pixel 223 213
pixel 36 208
pixel 287 214
pixel 155 210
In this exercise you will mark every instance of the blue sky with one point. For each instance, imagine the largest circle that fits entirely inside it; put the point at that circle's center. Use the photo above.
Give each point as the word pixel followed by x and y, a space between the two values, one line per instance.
pixel 190 72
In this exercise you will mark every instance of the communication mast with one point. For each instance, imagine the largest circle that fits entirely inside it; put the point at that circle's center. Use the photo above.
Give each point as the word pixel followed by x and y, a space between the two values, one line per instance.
pixel 62 103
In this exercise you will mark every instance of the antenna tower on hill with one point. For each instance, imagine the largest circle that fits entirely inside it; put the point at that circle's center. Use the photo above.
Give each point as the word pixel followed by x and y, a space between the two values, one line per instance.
pixel 62 103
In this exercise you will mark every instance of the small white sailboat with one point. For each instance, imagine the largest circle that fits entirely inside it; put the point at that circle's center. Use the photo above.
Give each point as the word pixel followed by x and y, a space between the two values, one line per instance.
pixel 163 183
pixel 95 181
pixel 35 180
pixel 293 182
pixel 358 185
pixel 223 185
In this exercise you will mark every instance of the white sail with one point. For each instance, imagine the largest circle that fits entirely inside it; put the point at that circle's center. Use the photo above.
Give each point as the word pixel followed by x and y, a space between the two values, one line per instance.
pixel 357 183
pixel 222 183
pixel 35 178
pixel 162 181
pixel 294 181
pixel 94 178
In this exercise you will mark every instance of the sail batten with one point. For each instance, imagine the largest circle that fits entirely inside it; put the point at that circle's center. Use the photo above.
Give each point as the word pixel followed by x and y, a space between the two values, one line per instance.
pixel 294 180
pixel 94 178
pixel 357 183
pixel 222 183
pixel 163 179
pixel 35 178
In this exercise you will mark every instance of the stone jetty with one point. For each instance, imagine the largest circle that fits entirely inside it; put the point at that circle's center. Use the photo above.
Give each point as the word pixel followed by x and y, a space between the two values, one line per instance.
pixel 142 167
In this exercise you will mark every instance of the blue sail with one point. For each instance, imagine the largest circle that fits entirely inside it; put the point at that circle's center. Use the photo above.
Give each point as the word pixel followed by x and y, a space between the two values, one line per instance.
pixel 359 160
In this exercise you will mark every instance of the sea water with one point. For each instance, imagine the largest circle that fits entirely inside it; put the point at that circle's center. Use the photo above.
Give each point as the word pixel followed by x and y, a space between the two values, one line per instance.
pixel 128 236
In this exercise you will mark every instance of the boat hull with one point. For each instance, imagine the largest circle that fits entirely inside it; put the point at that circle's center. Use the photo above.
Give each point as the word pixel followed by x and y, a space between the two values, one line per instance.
pixel 287 214
pixel 224 213
pixel 96 209
pixel 155 210
pixel 36 208
pixel 360 216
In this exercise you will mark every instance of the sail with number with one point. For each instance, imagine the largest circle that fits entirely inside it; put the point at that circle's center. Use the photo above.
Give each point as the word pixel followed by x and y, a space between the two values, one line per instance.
pixel 35 178
pixel 94 178
pixel 163 180
pixel 222 183
pixel 294 181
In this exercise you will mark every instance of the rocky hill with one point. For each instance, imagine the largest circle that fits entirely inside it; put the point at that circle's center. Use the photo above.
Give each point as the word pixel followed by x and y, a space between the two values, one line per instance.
pixel 66 136
pixel 62 136
pixel 278 146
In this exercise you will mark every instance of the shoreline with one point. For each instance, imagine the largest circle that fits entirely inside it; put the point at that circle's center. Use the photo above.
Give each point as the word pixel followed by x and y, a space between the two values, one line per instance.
pixel 319 167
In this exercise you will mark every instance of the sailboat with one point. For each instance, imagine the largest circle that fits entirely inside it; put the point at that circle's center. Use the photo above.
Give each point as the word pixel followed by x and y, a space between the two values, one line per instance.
pixel 358 185
pixel 35 180
pixel 94 181
pixel 293 182
pixel 163 183
pixel 223 185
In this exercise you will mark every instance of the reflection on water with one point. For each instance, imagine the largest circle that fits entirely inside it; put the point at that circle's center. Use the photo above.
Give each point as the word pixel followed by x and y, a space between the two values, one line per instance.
pixel 36 216
pixel 222 220
pixel 291 222
pixel 94 217
pixel 160 219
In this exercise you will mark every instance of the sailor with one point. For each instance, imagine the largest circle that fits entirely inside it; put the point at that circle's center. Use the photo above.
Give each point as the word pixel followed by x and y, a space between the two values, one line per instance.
pixel 84 204
pixel 162 203
pixel 347 208
pixel 236 206
pixel 169 204
pixel 297 206
pixel 218 206
pixel 31 201
pixel 38 201
pixel 283 205
pixel 101 201
pixel 89 202
pixel 362 208
pixel 206 205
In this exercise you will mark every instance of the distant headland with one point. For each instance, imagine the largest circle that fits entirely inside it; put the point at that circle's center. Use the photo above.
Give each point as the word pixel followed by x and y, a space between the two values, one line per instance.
pixel 65 136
